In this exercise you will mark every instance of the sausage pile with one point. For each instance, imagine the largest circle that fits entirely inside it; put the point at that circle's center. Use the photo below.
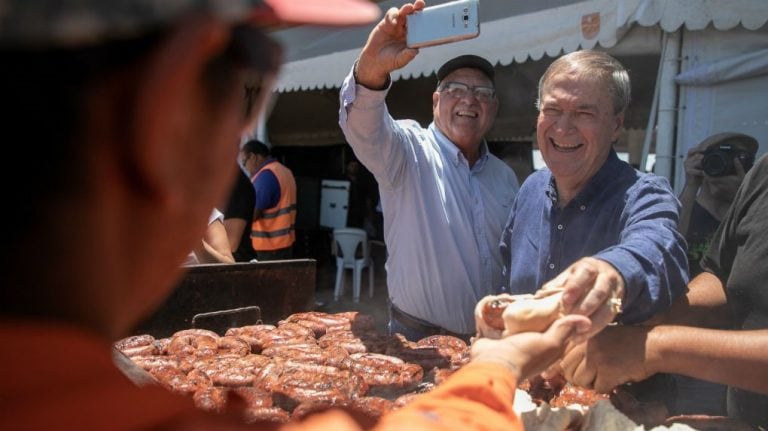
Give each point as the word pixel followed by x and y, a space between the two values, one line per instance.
pixel 312 361
pixel 306 363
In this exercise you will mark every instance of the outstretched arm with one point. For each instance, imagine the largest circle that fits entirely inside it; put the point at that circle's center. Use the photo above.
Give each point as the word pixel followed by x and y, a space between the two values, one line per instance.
pixel 633 353
pixel 647 269
pixel 623 354
pixel 704 305
pixel 480 395
pixel 379 142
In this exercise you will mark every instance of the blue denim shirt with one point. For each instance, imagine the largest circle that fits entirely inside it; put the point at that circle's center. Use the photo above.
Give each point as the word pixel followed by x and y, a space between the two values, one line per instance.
pixel 624 217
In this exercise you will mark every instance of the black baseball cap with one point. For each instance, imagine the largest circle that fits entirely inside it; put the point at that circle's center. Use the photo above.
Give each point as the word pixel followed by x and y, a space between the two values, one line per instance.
pixel 469 60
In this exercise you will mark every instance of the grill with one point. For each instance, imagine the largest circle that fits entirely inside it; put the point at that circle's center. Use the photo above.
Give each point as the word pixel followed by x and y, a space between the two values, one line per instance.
pixel 218 297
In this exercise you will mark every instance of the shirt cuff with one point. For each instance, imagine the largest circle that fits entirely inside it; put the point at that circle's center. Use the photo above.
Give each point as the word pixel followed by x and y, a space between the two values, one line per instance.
pixel 387 83
pixel 367 98
pixel 634 275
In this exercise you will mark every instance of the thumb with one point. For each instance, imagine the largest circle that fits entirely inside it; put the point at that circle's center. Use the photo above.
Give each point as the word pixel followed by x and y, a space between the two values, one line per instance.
pixel 405 56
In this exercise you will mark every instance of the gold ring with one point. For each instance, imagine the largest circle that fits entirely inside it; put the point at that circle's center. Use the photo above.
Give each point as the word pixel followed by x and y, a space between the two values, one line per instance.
pixel 615 304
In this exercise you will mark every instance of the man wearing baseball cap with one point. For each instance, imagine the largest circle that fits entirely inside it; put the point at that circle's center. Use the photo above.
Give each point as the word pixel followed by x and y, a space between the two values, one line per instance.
pixel 444 196
pixel 129 114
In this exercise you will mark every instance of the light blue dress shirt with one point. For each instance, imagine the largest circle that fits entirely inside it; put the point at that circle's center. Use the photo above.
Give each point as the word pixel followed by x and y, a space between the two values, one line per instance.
pixel 442 219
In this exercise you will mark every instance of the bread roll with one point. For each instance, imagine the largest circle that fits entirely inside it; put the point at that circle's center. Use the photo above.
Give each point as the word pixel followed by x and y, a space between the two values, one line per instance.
pixel 498 316
pixel 532 313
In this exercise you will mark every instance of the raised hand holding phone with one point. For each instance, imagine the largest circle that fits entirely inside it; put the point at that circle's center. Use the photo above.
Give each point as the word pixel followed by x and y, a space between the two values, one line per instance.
pixel 445 23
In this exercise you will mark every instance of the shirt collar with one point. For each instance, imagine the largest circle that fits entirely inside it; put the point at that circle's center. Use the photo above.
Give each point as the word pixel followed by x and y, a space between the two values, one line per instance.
pixel 454 154
pixel 610 170
pixel 269 160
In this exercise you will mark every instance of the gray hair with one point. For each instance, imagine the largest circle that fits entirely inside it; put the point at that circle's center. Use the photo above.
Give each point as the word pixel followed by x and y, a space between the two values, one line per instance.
pixel 595 64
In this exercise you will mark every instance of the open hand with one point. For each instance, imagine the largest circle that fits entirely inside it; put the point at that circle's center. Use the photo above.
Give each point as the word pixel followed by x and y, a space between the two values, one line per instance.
pixel 592 288
pixel 386 48
pixel 527 354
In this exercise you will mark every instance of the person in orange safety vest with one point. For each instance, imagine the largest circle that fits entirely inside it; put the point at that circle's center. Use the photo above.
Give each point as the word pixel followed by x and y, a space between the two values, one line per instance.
pixel 273 231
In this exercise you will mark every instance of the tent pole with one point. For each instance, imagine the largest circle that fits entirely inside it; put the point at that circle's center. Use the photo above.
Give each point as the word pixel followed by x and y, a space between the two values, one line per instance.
pixel 665 141
pixel 650 128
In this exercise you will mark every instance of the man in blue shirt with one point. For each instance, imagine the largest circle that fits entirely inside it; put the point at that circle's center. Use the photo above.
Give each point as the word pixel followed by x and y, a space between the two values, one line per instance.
pixel 274 216
pixel 590 223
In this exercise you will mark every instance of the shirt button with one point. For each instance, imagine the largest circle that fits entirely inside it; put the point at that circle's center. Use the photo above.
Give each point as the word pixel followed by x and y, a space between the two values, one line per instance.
pixel 551 266
pixel 583 207
pixel 559 227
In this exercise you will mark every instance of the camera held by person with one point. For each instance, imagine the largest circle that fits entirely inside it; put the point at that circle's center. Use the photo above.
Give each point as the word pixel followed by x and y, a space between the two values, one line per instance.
pixel 714 170
pixel 718 160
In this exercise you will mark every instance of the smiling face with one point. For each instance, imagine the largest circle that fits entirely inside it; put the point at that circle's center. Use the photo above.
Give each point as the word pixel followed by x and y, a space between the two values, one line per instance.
pixel 465 120
pixel 576 127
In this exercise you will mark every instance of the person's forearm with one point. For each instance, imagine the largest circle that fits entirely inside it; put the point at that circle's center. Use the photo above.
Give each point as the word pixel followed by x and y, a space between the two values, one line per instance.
pixel 368 127
pixel 705 305
pixel 209 254
pixel 654 278
pixel 375 137
pixel 235 228
pixel 735 358
pixel 651 255
pixel 369 76
pixel 478 394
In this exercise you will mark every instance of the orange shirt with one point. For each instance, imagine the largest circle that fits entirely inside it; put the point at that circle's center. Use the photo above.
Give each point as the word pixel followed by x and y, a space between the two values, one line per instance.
pixel 59 377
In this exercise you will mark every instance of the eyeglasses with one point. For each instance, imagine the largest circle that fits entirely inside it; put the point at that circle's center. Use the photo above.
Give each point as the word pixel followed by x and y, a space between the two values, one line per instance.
pixel 458 90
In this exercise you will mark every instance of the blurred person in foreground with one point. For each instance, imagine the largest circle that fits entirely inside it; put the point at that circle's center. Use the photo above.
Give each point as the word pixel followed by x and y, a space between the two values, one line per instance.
pixel 143 110
pixel 589 223
pixel 444 195
pixel 718 332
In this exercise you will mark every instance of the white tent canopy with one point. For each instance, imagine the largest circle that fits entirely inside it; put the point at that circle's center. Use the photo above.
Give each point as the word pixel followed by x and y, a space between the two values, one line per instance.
pixel 512 32
pixel 698 14
pixel 510 38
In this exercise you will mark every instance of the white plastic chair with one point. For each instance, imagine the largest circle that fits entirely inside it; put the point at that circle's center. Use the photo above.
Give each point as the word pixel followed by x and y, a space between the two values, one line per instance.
pixel 348 241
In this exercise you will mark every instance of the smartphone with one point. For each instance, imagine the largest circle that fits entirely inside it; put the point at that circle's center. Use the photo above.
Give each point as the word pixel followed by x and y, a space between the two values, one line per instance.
pixel 445 23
